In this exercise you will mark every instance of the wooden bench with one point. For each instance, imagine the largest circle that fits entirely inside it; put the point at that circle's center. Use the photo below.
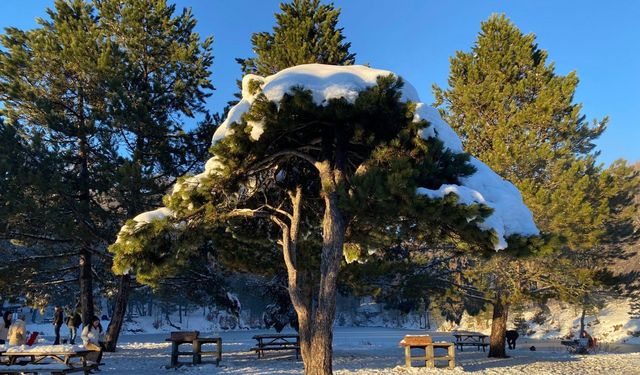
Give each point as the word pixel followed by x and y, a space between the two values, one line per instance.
pixel 45 368
pixel 430 358
pixel 192 337
pixel 276 342
pixel 63 362
pixel 470 339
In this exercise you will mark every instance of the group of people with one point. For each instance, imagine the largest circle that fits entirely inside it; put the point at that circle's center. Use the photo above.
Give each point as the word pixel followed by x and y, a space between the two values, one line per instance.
pixel 73 322
pixel 14 333
pixel 92 333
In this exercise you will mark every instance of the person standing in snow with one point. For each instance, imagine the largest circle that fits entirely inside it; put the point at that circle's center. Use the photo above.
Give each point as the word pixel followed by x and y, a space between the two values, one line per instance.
pixel 92 339
pixel 5 323
pixel 17 334
pixel 58 318
pixel 73 323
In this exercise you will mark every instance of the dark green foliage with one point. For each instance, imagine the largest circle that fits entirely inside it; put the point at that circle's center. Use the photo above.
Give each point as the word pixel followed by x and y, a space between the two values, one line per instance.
pixel 517 115
pixel 306 32
pixel 98 93
pixel 387 161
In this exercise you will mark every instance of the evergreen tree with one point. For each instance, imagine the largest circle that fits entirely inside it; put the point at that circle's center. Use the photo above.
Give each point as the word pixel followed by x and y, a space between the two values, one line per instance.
pixel 107 90
pixel 305 32
pixel 164 76
pixel 53 82
pixel 514 112
pixel 309 186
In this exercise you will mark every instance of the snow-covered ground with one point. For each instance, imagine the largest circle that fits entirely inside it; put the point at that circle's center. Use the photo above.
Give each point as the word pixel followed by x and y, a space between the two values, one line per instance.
pixel 360 351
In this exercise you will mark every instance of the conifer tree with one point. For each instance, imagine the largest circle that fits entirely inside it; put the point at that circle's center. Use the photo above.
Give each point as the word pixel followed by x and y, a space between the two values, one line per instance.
pixel 113 84
pixel 164 75
pixel 315 181
pixel 306 32
pixel 53 83
pixel 514 112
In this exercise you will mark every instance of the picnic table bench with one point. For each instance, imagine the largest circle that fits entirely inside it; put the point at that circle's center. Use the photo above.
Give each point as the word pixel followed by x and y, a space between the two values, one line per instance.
pixel 430 358
pixel 276 342
pixel 470 339
pixel 192 337
pixel 64 362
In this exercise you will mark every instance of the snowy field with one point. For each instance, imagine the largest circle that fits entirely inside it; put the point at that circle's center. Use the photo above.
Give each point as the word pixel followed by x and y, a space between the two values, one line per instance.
pixel 360 351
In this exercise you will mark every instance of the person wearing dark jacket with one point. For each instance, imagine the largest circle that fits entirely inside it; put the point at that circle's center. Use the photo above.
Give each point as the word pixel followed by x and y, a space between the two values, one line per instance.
pixel 58 319
pixel 5 323
pixel 73 323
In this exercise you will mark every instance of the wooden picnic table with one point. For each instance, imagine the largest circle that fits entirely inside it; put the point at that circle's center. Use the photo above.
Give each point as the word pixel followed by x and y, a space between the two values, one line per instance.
pixel 276 342
pixel 426 343
pixel 179 338
pixel 37 358
pixel 470 339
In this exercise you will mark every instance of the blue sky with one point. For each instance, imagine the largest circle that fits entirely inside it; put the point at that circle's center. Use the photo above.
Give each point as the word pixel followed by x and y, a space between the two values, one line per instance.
pixel 415 39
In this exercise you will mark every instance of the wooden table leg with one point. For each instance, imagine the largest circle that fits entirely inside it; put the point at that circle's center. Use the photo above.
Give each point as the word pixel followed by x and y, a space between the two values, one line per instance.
pixel 407 356
pixel 430 362
pixel 174 353
pixel 197 357
pixel 452 356
pixel 219 344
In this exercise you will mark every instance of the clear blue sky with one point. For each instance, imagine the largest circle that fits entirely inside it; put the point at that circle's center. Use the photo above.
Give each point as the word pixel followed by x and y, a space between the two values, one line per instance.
pixel 415 39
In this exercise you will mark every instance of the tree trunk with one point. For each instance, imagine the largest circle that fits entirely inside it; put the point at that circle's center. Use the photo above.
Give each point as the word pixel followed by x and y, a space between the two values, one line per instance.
pixel 584 310
pixel 498 330
pixel 86 287
pixel 333 233
pixel 117 317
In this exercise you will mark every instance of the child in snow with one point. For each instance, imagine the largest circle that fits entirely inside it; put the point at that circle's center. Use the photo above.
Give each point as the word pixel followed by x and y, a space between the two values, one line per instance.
pixel 5 323
pixel 92 338
pixel 17 334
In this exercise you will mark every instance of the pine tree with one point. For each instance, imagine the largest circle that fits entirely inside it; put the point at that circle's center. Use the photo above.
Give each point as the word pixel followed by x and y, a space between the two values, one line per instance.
pixel 114 81
pixel 306 32
pixel 514 112
pixel 164 74
pixel 52 85
pixel 318 177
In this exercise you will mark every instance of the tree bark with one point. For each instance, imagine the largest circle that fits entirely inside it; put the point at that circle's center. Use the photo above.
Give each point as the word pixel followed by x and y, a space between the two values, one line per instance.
pixel 498 330
pixel 86 287
pixel 84 216
pixel 119 311
pixel 584 310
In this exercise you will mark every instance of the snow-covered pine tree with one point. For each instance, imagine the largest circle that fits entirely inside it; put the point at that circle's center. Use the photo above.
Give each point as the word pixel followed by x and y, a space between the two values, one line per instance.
pixel 314 156
pixel 306 31
pixel 516 114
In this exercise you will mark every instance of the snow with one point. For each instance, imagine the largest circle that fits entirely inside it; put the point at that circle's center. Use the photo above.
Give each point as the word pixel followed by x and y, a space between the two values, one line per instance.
pixel 150 216
pixel 510 216
pixel 326 82
pixel 64 348
pixel 366 351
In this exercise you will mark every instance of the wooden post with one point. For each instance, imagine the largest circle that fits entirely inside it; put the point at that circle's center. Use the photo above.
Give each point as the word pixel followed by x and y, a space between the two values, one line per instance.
pixel 174 353
pixel 407 356
pixel 429 353
pixel 219 345
pixel 452 356
pixel 197 348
